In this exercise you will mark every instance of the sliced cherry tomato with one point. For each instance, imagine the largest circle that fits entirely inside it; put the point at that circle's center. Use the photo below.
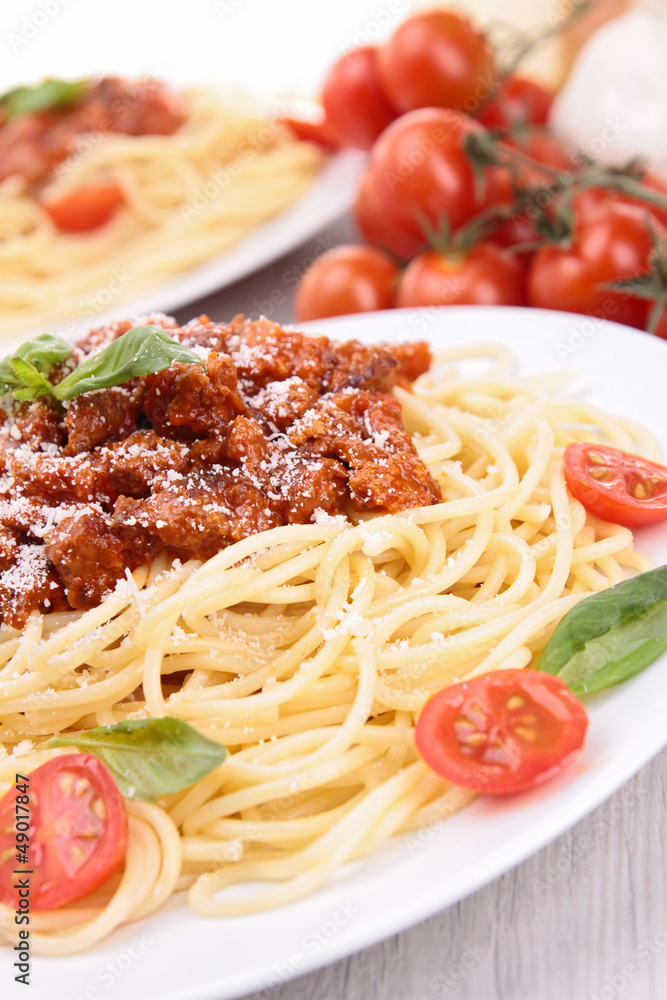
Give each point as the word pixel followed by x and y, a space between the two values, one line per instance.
pixel 616 486
pixel 418 171
pixel 319 132
pixel 612 242
pixel 347 279
pixel 77 831
pixel 502 732
pixel 517 101
pixel 86 208
pixel 437 59
pixel 355 103
pixel 486 275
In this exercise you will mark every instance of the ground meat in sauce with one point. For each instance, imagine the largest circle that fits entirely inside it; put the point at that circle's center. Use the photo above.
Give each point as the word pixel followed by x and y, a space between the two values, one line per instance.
pixel 279 425
pixel 31 146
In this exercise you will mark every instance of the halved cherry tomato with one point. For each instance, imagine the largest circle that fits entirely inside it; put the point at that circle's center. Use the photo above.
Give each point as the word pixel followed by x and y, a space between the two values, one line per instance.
pixel 437 59
pixel 86 208
pixel 485 275
pixel 355 103
pixel 77 831
pixel 517 101
pixel 419 171
pixel 347 279
pixel 502 732
pixel 616 486
pixel 319 132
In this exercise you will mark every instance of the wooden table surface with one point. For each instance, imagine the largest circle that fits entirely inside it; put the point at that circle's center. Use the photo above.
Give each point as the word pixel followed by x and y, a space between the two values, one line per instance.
pixel 584 919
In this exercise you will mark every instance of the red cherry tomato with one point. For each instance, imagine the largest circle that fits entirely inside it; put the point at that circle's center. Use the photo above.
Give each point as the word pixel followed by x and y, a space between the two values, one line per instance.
pixel 347 279
pixel 517 100
pixel 77 834
pixel 486 275
pixel 437 59
pixel 86 208
pixel 355 103
pixel 320 132
pixel 612 242
pixel 516 231
pixel 616 486
pixel 418 170
pixel 661 327
pixel 377 227
pixel 543 147
pixel 592 198
pixel 502 732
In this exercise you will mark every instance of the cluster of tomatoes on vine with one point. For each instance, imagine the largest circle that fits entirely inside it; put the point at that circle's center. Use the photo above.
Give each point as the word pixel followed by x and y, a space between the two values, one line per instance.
pixel 469 198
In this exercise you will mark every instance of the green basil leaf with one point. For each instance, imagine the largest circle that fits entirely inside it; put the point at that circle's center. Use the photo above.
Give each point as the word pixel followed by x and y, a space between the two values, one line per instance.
pixel 44 351
pixel 140 351
pixel 40 353
pixel 610 636
pixel 28 381
pixel 149 757
pixel 47 94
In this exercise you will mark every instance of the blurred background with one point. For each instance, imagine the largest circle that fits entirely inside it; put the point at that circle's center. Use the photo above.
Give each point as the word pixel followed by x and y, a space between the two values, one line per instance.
pixel 270 49
pixel 607 67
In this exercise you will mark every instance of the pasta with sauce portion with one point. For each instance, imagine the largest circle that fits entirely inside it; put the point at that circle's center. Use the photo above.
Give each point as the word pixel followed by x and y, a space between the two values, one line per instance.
pixel 324 535
pixel 124 184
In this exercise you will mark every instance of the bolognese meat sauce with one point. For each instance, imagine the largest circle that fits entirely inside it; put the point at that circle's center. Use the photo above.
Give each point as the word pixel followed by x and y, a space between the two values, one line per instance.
pixel 279 427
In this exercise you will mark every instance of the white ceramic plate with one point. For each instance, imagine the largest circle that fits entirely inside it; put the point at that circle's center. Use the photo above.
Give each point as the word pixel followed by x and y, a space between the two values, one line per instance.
pixel 178 956
pixel 330 196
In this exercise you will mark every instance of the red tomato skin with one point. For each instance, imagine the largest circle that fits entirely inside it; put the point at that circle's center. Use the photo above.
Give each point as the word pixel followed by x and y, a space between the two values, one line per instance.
pixel 356 106
pixel 612 242
pixel 52 889
pixel 85 209
pixel 517 100
pixel 591 199
pixel 611 501
pixel 375 225
pixel 514 765
pixel 484 276
pixel 437 59
pixel 661 327
pixel 418 169
pixel 516 231
pixel 347 279
pixel 319 132
pixel 543 147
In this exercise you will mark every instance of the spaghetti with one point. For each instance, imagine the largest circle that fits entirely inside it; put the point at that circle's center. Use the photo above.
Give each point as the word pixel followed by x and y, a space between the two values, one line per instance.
pixel 309 650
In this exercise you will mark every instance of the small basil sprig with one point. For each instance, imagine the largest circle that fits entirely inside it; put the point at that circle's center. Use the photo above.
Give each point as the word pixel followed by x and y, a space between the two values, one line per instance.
pixel 47 94
pixel 140 351
pixel 610 636
pixel 149 757
pixel 40 354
